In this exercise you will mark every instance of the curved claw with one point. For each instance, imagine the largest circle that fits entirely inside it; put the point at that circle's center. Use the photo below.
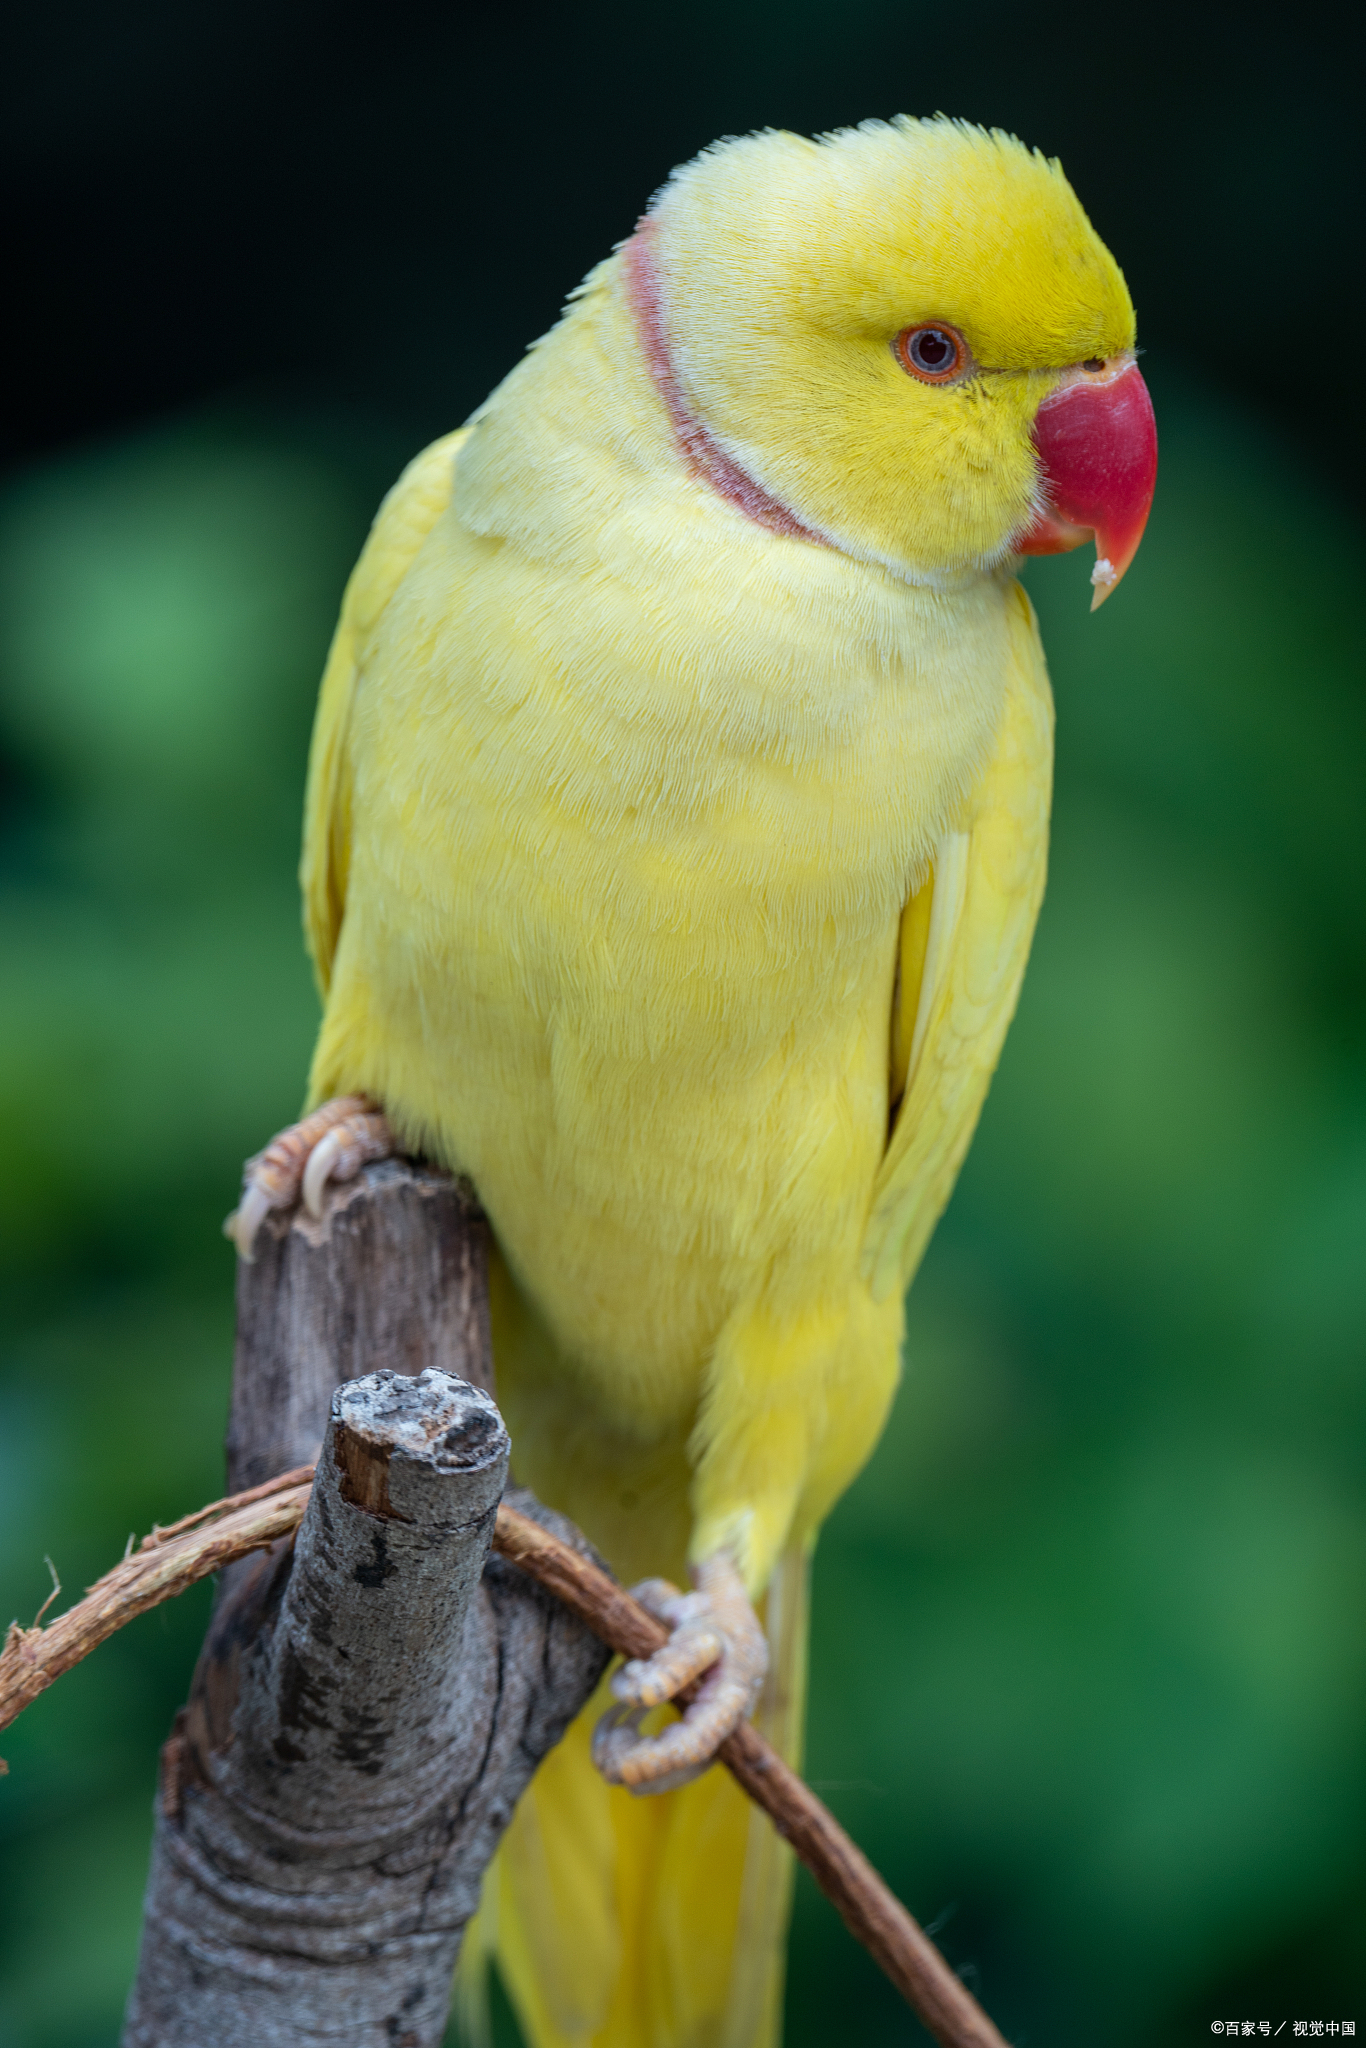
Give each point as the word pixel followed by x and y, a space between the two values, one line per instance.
pixel 346 1132
pixel 343 1152
pixel 321 1161
pixel 716 1632
pixel 617 1739
pixel 245 1220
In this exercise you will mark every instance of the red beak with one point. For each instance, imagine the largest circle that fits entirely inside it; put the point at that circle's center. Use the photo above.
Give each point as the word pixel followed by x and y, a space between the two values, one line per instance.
pixel 1097 445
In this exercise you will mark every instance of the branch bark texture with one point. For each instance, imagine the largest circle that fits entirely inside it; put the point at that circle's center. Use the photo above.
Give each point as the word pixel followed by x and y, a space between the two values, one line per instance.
pixel 394 1274
pixel 363 1719
pixel 372 1697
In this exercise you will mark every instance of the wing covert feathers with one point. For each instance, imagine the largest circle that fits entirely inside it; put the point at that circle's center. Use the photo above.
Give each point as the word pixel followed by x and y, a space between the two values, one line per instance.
pixel 402 523
pixel 961 968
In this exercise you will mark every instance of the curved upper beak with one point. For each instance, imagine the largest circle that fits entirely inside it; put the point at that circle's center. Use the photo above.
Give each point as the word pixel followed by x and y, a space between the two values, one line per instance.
pixel 1096 440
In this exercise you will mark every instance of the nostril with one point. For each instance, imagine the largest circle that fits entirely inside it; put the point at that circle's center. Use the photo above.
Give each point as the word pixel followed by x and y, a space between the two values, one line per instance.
pixel 1094 363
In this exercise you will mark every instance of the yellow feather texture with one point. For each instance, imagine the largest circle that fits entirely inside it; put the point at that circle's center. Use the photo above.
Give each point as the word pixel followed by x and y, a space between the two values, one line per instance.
pixel 657 856
pixel 622 1922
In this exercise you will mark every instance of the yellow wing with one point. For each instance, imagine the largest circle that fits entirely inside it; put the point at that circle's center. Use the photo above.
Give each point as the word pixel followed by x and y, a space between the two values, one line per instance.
pixel 402 523
pixel 965 939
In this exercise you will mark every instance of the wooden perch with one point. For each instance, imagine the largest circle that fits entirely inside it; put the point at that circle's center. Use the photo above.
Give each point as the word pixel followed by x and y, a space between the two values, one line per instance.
pixel 873 1914
pixel 395 1274
pixel 366 1712
pixel 367 1707
pixel 246 1868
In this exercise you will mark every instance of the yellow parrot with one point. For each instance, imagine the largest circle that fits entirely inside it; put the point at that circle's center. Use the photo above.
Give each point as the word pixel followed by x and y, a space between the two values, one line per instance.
pixel 676 829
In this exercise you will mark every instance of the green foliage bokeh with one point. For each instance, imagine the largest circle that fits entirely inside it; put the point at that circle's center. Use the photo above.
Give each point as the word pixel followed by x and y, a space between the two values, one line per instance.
pixel 1089 1671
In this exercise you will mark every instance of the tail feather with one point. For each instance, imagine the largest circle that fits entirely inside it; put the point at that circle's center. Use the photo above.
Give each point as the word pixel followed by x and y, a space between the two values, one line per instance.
pixel 657 1922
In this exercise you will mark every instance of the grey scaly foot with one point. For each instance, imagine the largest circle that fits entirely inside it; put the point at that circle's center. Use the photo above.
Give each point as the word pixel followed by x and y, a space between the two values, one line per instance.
pixel 715 1635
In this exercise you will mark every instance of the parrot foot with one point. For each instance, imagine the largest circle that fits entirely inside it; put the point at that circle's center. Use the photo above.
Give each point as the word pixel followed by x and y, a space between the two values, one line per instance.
pixel 332 1143
pixel 715 1632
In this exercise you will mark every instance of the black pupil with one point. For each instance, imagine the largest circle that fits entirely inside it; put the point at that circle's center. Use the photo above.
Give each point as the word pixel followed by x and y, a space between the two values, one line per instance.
pixel 932 350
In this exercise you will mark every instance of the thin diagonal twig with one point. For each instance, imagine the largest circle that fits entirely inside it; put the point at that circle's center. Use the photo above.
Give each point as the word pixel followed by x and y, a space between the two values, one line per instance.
pixel 872 1913
pixel 166 1565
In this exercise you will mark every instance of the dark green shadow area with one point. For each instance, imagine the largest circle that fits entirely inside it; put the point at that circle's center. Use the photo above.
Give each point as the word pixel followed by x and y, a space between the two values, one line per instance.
pixel 1088 1675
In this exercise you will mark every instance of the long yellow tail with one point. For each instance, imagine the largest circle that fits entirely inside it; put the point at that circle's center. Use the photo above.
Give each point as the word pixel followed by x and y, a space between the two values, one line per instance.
pixel 658 1922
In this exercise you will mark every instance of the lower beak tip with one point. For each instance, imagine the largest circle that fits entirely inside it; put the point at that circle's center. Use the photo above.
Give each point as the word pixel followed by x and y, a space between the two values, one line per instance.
pixel 1104 577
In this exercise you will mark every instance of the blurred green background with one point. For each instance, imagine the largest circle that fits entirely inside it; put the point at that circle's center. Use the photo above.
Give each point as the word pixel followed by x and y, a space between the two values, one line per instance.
pixel 1089 1665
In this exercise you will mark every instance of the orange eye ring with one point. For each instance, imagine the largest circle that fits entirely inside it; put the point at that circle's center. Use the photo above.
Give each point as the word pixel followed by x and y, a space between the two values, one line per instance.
pixel 932 352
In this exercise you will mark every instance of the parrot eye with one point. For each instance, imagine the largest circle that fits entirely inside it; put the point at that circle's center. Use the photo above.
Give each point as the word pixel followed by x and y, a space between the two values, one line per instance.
pixel 934 353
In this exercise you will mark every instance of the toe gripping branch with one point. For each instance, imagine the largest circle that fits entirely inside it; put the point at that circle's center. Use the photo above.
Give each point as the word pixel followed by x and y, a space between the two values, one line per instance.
pixel 713 1667
pixel 332 1143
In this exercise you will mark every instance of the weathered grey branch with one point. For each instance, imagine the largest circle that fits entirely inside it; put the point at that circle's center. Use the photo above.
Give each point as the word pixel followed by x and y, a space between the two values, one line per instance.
pixel 366 1708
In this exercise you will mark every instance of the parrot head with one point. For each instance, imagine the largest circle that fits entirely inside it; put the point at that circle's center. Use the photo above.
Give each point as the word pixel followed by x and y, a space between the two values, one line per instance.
pixel 906 341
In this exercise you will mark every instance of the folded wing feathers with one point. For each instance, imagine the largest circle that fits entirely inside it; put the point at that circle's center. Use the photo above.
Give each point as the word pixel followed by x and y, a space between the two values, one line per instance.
pixel 988 885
